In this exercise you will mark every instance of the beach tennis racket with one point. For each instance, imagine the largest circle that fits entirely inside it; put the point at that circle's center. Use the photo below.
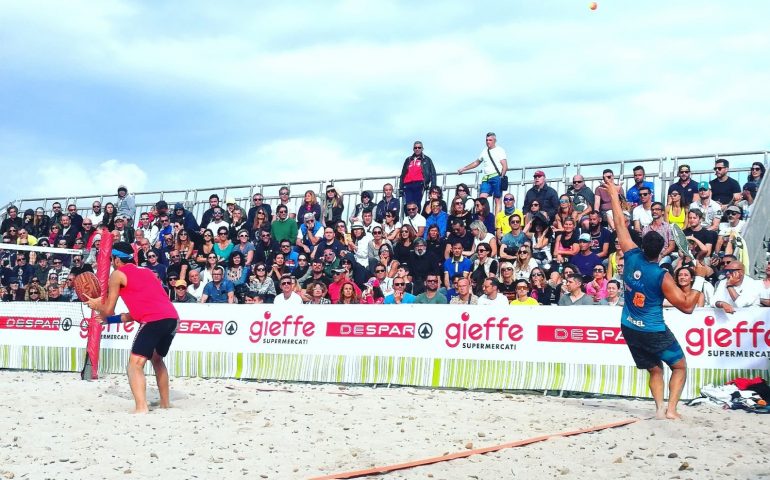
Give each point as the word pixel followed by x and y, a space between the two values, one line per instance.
pixel 681 241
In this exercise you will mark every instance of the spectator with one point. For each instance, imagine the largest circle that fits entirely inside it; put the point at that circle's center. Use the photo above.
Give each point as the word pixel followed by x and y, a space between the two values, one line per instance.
pixel 158 268
pixel 78 266
pixel 736 290
pixel 747 198
pixel 58 269
pixel 150 230
pixel 540 290
pixel 56 212
pixel 431 295
pixel 390 227
pixel 492 295
pixel 68 231
pixel 662 227
pixel 417 174
pixel 435 193
pixel 216 224
pixel 96 214
pixel 503 217
pixel 632 195
pixel 35 293
pixel 579 191
pixel 348 294
pixel 126 204
pixel 437 217
pixel 75 219
pixel 702 241
pixel 223 247
pixel 724 189
pixel 686 187
pixel 184 217
pixel 122 226
pixel 514 239
pixel 642 213
pixel 457 211
pixel 456 264
pixel 108 220
pixel 600 236
pixel 283 228
pixel 317 273
pixel 399 296
pixel 208 215
pixel 366 204
pixel 575 295
pixel 359 244
pixel 732 228
pixel 544 195
pixel 368 221
pixel 485 266
pixel 219 290
pixel 756 173
pixel 676 213
pixel 586 260
pixel 329 241
pixel 287 295
pixel 285 200
pixel 522 294
pixel 40 224
pixel 524 263
pixel 196 286
pixel 602 198
pixel 243 245
pixel 258 201
pixel 566 244
pixel 436 244
pixel 556 283
pixel 311 206
pixel 614 296
pixel 309 233
pixel 764 296
pixel 404 245
pixel 482 214
pixel 458 233
pixel 377 241
pixel 597 287
pixel 685 280
pixel 464 193
pixel 494 165
pixel 481 235
pixel 12 220
pixel 566 210
pixel 237 272
pixel 414 219
pixel 289 255
pixel 54 293
pixel 464 294
pixel 180 293
pixel 231 206
pixel 279 268
pixel 389 203
pixel 332 207
pixel 539 234
pixel 506 282
pixel 386 260
pixel 316 294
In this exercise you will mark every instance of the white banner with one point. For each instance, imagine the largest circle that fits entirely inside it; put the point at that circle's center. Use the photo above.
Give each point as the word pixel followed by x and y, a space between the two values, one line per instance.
pixel 570 335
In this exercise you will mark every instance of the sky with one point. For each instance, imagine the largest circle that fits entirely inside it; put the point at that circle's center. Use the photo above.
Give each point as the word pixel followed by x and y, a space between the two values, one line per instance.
pixel 175 95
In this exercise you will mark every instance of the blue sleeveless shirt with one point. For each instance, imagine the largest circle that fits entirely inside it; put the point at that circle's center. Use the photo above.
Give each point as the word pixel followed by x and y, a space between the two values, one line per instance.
pixel 643 309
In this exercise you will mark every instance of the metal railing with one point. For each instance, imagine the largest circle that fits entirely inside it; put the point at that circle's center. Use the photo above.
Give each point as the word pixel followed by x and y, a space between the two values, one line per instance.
pixel 660 170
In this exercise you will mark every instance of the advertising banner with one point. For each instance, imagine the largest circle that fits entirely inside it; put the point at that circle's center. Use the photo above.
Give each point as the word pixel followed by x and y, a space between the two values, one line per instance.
pixel 566 348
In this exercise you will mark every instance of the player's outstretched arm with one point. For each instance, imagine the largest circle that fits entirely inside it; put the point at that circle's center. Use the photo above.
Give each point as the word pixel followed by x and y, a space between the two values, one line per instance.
pixel 624 237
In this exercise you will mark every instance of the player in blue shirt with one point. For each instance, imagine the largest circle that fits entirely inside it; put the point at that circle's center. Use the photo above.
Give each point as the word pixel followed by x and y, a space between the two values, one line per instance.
pixel 646 285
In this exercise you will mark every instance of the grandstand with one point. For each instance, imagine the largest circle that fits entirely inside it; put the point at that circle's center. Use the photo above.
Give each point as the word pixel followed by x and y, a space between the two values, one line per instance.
pixel 659 170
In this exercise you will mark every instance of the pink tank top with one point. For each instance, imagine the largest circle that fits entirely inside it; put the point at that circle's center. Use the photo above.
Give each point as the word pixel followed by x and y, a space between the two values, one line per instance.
pixel 144 295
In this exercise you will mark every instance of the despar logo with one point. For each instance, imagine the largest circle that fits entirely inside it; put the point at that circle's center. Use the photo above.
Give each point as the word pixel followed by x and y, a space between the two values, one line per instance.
pixel 292 330
pixel 743 335
pixel 370 329
pixel 110 329
pixel 493 330
pixel 32 323
pixel 580 334
pixel 200 327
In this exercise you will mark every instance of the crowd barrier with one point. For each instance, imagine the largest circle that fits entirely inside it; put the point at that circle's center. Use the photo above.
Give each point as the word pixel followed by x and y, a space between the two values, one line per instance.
pixel 441 346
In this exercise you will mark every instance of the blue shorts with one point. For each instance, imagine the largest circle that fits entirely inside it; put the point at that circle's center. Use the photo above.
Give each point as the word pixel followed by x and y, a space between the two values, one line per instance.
pixel 651 349
pixel 491 187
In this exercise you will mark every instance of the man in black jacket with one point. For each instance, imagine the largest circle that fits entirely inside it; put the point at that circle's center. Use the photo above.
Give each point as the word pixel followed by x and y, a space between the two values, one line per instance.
pixel 417 175
pixel 545 195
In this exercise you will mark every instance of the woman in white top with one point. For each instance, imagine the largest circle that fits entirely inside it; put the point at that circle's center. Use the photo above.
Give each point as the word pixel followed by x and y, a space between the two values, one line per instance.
pixel 359 244
pixel 482 235
pixel 522 267
pixel 390 226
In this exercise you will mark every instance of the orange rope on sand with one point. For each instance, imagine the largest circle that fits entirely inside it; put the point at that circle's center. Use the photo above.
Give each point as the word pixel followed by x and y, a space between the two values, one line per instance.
pixel 468 453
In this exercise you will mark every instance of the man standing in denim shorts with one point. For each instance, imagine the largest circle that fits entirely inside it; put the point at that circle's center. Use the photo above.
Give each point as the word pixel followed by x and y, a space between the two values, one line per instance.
pixel 649 340
pixel 494 164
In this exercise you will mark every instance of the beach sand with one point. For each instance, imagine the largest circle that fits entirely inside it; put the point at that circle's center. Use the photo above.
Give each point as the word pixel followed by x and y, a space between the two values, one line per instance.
pixel 56 426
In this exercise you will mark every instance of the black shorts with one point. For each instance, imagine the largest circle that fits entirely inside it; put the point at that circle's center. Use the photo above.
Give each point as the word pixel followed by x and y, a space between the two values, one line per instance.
pixel 154 337
pixel 651 349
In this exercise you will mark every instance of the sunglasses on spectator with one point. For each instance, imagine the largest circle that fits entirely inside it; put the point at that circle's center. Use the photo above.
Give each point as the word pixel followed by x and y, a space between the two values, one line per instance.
pixel 398 284
pixel 537 274
pixel 286 283
pixel 508 199
pixel 683 171
pixel 507 269
pixel 522 287
pixel 644 194
pixel 575 182
pixel 598 270
pixel 379 270
pixel 377 232
pixel 260 269
pixel 756 169
pixel 717 169
pixel 412 209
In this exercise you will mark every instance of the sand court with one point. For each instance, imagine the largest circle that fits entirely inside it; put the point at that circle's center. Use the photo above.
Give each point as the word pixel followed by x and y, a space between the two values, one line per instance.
pixel 56 426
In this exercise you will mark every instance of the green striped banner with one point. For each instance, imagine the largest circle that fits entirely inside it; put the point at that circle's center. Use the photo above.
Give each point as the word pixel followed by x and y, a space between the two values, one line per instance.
pixel 411 371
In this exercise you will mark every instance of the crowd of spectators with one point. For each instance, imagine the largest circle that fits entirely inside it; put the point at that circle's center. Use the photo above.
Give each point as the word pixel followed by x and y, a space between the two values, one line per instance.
pixel 414 247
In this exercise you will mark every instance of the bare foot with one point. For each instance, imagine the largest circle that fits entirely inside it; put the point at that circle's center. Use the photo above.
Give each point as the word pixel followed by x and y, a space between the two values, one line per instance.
pixel 673 415
pixel 138 410
pixel 660 413
pixel 164 405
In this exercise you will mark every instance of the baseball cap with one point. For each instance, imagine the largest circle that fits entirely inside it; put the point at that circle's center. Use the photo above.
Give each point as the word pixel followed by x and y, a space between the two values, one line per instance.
pixel 338 270
pixel 122 187
pixel 584 237
pixel 539 173
pixel 704 186
pixel 734 208
pixel 178 206
pixel 180 283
